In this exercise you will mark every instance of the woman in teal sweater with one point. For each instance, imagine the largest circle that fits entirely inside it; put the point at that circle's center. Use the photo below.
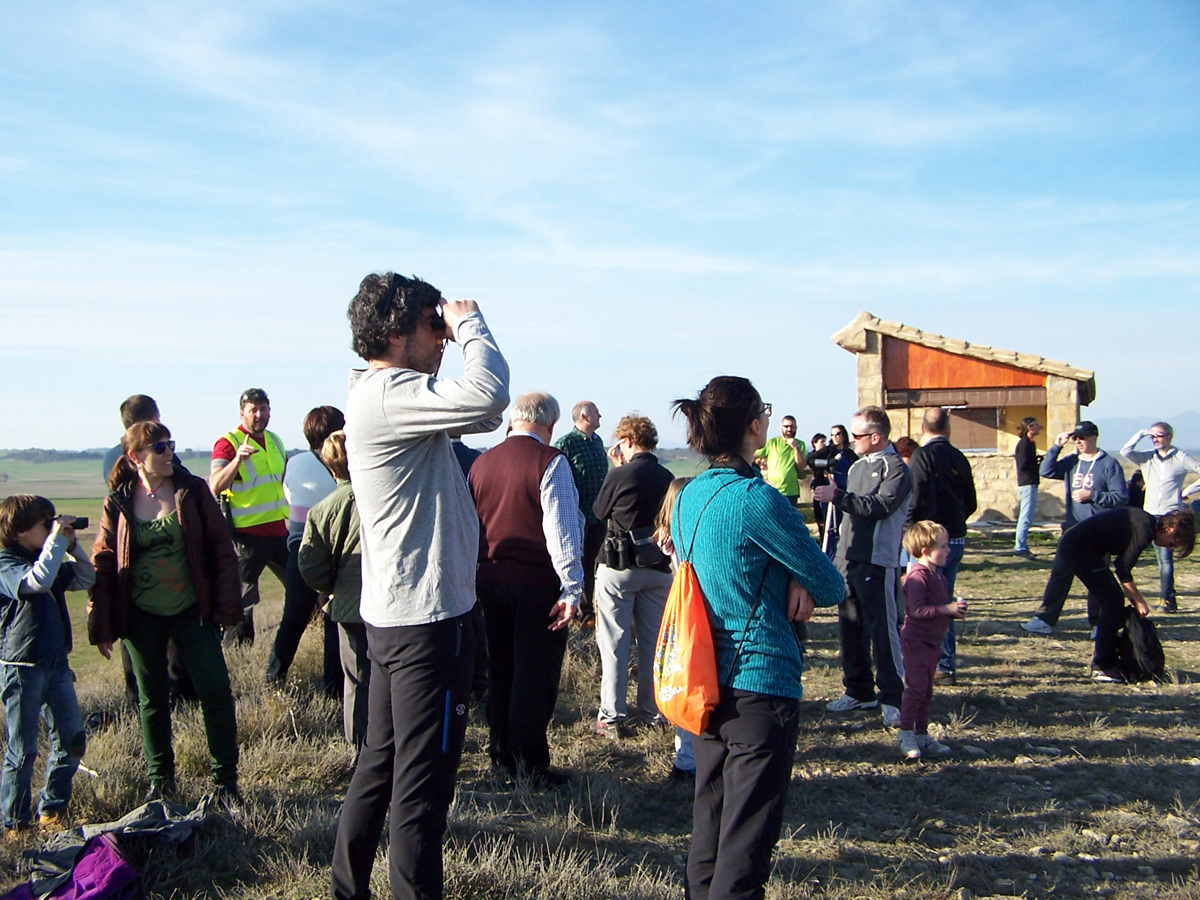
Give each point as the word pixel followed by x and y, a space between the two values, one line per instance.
pixel 747 543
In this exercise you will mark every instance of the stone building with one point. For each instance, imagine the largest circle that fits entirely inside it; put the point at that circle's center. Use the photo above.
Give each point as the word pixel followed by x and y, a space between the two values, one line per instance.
pixel 987 391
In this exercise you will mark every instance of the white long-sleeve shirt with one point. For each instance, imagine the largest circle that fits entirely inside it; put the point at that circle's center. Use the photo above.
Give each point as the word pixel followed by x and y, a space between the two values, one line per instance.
pixel 1164 474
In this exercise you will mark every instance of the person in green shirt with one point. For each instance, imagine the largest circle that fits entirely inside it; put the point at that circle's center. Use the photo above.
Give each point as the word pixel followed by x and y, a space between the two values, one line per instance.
pixel 785 460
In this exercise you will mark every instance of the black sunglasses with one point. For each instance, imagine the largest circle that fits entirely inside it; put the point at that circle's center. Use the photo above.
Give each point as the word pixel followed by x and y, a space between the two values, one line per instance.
pixel 161 447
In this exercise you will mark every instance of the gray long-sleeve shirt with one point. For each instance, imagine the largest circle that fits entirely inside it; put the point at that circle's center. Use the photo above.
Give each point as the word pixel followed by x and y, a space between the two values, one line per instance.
pixel 419 530
pixel 1164 474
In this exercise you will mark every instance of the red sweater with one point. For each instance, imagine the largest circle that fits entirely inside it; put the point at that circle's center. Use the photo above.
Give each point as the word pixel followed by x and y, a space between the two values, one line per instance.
pixel 926 593
pixel 506 484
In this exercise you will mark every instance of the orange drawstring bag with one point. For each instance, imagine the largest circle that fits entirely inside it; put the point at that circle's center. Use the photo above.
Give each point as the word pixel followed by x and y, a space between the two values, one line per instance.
pixel 685 662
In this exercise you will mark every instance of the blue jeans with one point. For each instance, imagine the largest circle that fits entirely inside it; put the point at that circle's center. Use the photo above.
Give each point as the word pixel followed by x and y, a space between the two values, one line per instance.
pixel 46 690
pixel 1028 494
pixel 950 570
pixel 1166 573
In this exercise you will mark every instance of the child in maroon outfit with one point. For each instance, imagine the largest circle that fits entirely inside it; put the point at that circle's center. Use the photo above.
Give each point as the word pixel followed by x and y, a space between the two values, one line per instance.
pixel 928 609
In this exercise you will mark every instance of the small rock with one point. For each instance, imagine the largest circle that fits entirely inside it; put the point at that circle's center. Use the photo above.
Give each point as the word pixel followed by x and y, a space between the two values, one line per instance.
pixel 945 860
pixel 1091 872
pixel 1145 870
pixel 977 752
pixel 1024 760
pixel 1004 884
pixel 1061 857
pixel 1032 876
pixel 1048 751
pixel 1087 857
pixel 1098 837
pixel 1176 824
pixel 1039 850
pixel 1107 876
pixel 963 894
pixel 857 726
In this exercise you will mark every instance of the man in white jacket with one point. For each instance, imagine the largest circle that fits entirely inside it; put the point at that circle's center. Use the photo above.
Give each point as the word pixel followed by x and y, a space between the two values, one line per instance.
pixel 1164 469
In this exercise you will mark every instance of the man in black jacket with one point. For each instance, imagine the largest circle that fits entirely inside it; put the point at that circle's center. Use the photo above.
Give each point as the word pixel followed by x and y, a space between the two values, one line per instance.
pixel 943 492
pixel 1028 479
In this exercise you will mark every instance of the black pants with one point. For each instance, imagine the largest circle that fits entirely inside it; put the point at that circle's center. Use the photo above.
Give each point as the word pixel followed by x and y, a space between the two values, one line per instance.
pixel 525 659
pixel 416 723
pixel 593 540
pixel 254 554
pixel 1106 600
pixel 743 770
pixel 1054 598
pixel 869 627
pixel 299 603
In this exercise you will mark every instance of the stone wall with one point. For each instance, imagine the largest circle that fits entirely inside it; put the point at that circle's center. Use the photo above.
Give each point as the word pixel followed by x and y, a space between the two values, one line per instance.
pixel 996 490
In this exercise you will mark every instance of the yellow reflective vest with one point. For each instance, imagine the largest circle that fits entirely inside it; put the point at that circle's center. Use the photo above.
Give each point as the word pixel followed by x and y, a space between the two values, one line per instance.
pixel 256 498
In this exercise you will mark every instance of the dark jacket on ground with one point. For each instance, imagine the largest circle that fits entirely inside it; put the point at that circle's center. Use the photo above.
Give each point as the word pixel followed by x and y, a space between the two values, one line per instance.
pixel 875 503
pixel 943 486
pixel 207 545
pixel 1027 462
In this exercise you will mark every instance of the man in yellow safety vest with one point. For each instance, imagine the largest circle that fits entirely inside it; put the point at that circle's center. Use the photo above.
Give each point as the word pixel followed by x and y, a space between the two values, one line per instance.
pixel 247 472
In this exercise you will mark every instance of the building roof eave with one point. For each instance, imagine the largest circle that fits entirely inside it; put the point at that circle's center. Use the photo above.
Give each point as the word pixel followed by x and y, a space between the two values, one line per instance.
pixel 854 339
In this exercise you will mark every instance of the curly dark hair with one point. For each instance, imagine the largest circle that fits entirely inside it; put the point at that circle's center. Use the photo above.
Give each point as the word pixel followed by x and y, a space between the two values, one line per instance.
pixel 385 305
pixel 639 430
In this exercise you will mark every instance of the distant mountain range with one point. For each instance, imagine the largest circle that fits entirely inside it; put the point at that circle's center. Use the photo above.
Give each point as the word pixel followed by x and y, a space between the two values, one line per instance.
pixel 1115 432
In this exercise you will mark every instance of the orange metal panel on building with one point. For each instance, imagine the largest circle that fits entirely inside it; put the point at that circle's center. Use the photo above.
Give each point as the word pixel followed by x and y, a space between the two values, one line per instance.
pixel 914 367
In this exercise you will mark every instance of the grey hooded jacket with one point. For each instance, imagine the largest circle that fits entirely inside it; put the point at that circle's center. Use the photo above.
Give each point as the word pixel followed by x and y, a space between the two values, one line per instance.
pixel 875 502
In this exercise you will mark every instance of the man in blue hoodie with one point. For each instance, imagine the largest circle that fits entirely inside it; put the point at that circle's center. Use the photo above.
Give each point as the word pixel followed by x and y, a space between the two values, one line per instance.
pixel 1095 483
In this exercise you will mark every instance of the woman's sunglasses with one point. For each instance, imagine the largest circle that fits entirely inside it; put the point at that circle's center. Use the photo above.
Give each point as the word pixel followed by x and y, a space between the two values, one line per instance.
pixel 161 447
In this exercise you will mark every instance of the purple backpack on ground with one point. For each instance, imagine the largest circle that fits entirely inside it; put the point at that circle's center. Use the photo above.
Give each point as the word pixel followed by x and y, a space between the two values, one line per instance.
pixel 100 873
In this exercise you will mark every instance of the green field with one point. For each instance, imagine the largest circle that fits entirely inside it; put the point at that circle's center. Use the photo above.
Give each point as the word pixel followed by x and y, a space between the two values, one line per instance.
pixel 68 478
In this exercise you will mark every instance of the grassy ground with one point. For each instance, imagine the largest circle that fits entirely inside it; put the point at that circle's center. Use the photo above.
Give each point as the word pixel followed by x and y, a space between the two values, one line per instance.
pixel 1057 787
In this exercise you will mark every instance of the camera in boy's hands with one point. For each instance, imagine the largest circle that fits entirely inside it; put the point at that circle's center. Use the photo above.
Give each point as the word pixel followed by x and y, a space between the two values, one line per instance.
pixel 77 522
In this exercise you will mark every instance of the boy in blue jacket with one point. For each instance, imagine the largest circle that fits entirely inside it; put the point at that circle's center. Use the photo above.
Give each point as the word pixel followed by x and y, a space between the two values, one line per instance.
pixel 40 561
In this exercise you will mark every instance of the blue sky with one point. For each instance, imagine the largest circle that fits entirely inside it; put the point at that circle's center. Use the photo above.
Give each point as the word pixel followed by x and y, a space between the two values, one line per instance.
pixel 640 196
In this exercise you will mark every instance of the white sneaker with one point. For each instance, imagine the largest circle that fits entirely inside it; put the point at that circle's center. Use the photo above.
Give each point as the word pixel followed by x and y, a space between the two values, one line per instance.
pixel 891 715
pixel 1038 626
pixel 908 745
pixel 846 703
pixel 929 745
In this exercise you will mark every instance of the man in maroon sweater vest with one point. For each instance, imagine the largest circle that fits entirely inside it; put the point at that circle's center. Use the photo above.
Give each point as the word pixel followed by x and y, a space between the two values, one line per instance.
pixel 530 581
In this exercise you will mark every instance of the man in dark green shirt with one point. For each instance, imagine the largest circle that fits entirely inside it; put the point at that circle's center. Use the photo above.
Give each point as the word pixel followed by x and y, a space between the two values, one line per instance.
pixel 589 464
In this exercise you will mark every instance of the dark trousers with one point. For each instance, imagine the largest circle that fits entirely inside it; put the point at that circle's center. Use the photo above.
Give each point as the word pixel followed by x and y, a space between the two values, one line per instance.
pixel 299 603
pixel 920 662
pixel 525 660
pixel 869 627
pixel 416 724
pixel 254 553
pixel 947 661
pixel 199 644
pixel 593 540
pixel 1106 600
pixel 182 688
pixel 356 671
pixel 1058 586
pixel 743 770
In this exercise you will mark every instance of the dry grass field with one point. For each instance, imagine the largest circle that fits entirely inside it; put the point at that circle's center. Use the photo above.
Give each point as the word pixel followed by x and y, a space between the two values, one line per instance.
pixel 1056 788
